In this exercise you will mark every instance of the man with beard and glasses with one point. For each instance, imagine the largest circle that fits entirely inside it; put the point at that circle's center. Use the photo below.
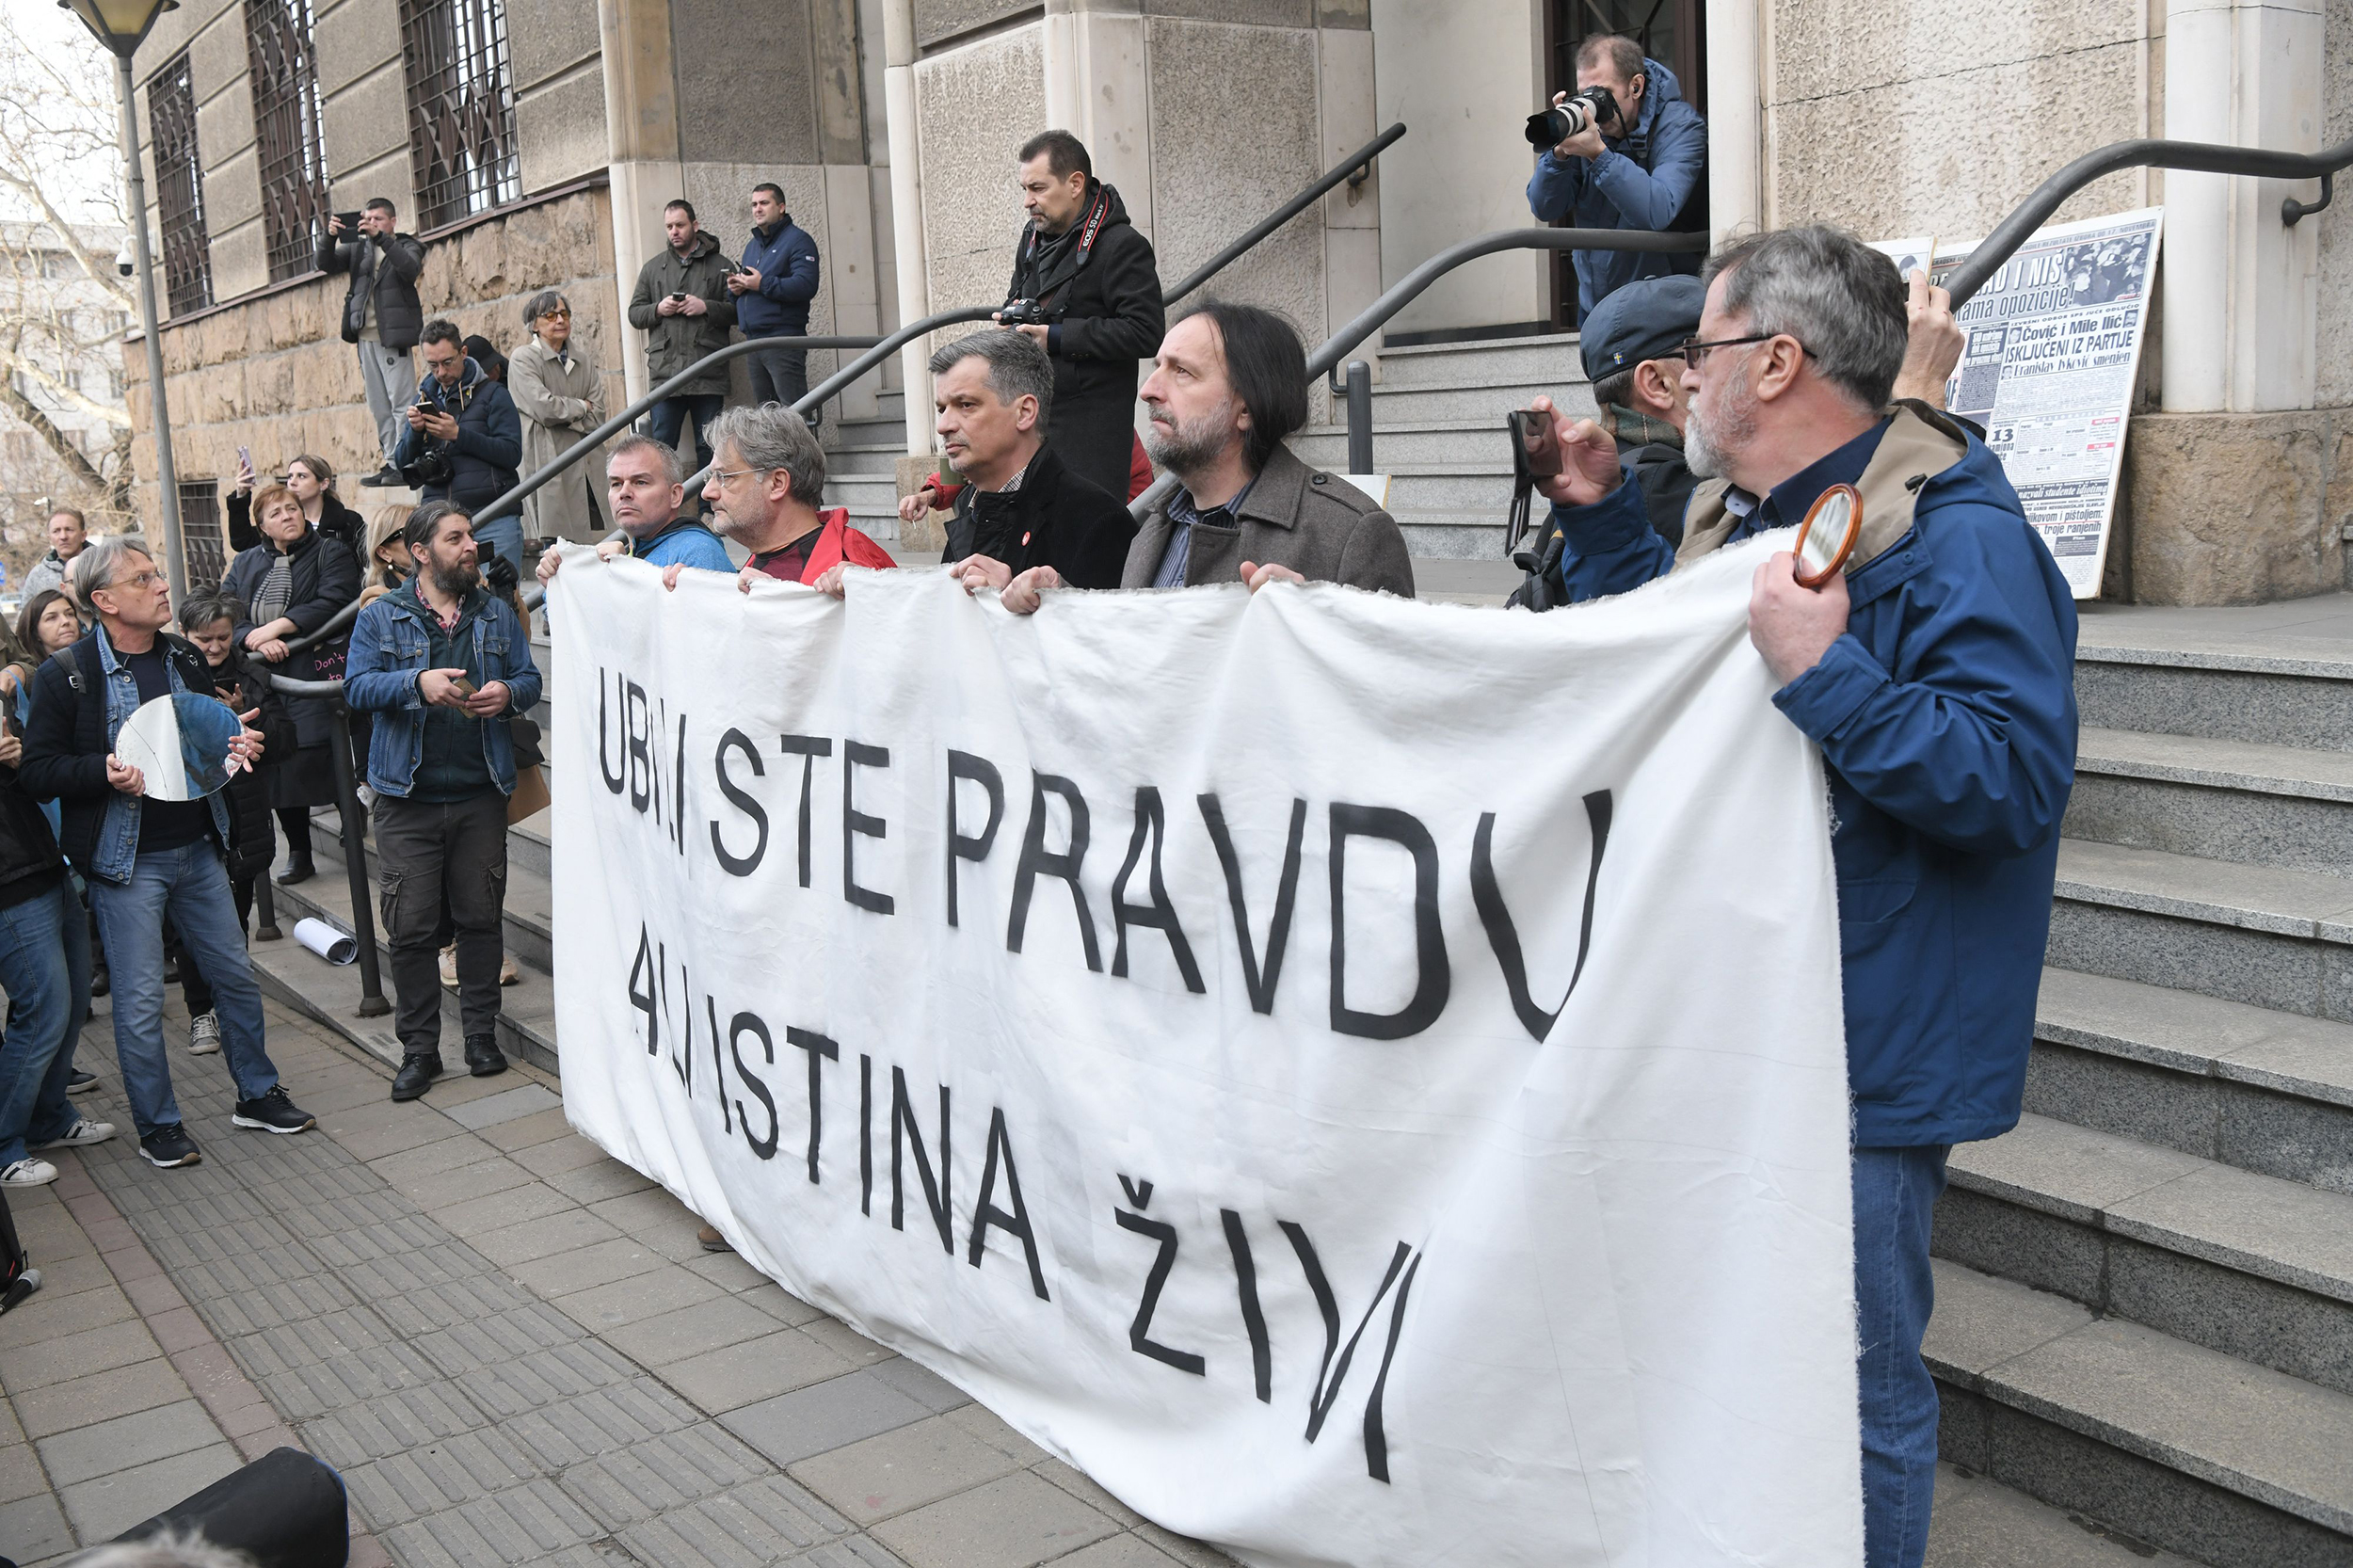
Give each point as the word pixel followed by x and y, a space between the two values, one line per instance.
pixel 1936 674
pixel 1085 289
pixel 1230 382
pixel 443 665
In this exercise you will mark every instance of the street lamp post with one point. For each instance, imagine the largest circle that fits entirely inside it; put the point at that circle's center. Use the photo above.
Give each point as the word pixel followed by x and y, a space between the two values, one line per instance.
pixel 122 26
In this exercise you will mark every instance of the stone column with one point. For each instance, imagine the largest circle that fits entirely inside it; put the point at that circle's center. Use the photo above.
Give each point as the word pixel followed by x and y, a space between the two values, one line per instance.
pixel 2242 306
pixel 641 116
pixel 1735 118
pixel 1350 117
pixel 907 215
pixel 1096 88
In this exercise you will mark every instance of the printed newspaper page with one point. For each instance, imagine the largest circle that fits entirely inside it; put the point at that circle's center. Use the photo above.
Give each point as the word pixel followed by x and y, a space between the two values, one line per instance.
pixel 2053 354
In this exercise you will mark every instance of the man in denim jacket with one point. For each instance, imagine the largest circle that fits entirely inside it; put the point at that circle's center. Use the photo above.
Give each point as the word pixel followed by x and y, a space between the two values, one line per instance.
pixel 442 664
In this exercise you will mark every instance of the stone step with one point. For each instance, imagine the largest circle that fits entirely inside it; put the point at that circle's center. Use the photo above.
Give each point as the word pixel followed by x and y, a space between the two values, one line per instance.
pixel 2261 935
pixel 1551 357
pixel 2255 1266
pixel 2273 692
pixel 864 459
pixel 1472 401
pixel 1472 536
pixel 2264 1091
pixel 2219 799
pixel 2174 1444
pixel 1979 1523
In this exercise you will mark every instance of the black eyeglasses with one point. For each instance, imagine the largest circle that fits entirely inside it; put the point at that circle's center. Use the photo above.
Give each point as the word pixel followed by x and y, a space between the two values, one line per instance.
pixel 1695 351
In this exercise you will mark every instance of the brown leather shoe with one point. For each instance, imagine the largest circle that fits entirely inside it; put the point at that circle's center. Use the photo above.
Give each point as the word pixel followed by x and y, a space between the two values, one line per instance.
pixel 711 1240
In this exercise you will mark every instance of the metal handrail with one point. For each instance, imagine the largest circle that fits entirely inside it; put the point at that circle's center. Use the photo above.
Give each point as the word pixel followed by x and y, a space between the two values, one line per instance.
pixel 2202 157
pixel 1347 170
pixel 372 1003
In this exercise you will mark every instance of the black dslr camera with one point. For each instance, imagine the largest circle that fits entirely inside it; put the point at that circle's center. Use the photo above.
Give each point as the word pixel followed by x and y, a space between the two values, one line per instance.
pixel 1551 127
pixel 1022 313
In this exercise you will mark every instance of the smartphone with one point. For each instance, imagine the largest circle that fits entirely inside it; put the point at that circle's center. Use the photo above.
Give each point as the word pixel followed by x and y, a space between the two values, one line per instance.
pixel 1535 450
pixel 244 458
pixel 350 222
pixel 678 298
pixel 464 686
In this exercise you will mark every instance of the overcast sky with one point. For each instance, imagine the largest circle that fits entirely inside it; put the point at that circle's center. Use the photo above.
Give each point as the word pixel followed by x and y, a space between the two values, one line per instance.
pixel 91 190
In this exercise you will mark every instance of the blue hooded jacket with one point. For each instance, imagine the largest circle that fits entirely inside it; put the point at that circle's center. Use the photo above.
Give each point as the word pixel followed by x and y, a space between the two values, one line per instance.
pixel 1617 191
pixel 1946 718
pixel 786 264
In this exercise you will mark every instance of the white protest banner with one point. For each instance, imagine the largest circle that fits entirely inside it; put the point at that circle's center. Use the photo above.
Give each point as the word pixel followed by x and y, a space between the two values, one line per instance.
pixel 2052 355
pixel 1362 1080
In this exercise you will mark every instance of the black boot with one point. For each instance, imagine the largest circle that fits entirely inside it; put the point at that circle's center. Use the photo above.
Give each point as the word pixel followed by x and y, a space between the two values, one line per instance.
pixel 418 1070
pixel 299 869
pixel 483 1055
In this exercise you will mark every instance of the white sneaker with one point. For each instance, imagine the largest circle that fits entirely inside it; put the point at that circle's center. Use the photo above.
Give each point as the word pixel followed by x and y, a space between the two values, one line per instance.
pixel 29 1172
pixel 204 1035
pixel 82 1132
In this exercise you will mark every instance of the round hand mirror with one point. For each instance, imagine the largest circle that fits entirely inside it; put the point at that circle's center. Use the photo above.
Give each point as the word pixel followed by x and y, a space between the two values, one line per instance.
pixel 1828 535
pixel 181 745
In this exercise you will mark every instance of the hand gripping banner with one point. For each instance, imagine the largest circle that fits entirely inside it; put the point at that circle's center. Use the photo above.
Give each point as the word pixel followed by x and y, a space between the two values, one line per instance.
pixel 1361 1078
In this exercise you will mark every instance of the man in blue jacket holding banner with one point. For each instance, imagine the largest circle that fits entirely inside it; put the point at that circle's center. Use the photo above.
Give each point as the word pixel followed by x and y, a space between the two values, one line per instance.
pixel 1936 674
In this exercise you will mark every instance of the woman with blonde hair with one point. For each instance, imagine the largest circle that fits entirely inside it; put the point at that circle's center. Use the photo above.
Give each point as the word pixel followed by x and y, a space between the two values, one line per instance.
pixel 386 565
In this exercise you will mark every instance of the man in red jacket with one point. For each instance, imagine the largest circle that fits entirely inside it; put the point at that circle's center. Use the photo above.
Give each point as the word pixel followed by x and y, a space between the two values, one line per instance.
pixel 767 480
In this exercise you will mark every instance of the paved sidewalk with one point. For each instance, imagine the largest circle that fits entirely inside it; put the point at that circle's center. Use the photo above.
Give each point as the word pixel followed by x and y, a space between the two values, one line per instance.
pixel 511 1347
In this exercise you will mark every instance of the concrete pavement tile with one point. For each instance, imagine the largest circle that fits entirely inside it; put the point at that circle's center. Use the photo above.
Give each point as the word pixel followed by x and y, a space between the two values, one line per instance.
pixel 19 1473
pixel 110 1505
pixel 901 1470
pixel 540 1127
pixel 371 1131
pixel 824 1415
pixel 101 1396
pixel 178 1329
pixel 652 1294
pixel 153 1295
pixel 63 1315
pixel 846 1341
pixel 986 1425
pixel 456 1090
pixel 581 1267
pixel 1184 1548
pixel 589 1183
pixel 246 1420
pixel 480 1179
pixel 508 1104
pixel 77 1355
pixel 630 1486
pixel 725 1270
pixel 782 1305
pixel 1120 1551
pixel 102 1448
pixel 690 1332
pixel 1083 1487
pixel 34 1528
pixel 558 1154
pixel 919 1383
pixel 131 1262
pixel 270 1439
pixel 471 1217
pixel 563 1231
pixel 329 1094
pixel 775 1362
pixel 443 1154
pixel 67 1268
pixel 1013 1522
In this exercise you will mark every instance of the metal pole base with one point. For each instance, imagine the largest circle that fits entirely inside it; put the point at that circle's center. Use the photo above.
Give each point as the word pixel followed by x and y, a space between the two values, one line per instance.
pixel 374 1007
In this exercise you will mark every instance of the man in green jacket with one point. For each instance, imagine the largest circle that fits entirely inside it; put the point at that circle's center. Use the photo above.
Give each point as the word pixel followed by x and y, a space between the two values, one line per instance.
pixel 684 307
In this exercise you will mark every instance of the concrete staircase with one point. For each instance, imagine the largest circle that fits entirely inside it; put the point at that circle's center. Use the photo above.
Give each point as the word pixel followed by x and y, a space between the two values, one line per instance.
pixel 860 457
pixel 2145 1293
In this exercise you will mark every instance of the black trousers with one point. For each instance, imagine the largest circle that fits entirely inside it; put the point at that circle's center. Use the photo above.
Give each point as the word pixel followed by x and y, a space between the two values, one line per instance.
pixel 426 854
pixel 781 376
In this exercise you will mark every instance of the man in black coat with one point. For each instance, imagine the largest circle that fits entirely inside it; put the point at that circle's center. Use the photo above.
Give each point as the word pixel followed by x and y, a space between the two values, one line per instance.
pixel 1087 289
pixel 381 314
pixel 1022 505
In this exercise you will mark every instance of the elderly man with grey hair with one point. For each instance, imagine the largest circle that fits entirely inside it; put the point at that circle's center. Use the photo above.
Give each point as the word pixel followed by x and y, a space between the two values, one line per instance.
pixel 1936 672
pixel 146 855
pixel 1021 505
pixel 766 493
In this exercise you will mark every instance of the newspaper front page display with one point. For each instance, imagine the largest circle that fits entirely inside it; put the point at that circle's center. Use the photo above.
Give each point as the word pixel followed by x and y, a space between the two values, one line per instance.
pixel 2053 352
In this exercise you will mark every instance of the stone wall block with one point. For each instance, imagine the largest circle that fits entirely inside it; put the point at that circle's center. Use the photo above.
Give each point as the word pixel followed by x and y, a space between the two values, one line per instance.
pixel 2236 508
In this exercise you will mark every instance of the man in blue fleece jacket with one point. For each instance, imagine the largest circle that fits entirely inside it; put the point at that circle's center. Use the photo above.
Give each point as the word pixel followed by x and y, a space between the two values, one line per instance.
pixel 773 285
pixel 1937 674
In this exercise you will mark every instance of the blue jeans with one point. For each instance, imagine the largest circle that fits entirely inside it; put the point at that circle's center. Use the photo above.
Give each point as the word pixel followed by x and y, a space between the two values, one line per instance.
pixel 191 885
pixel 1895 1202
pixel 45 966
pixel 666 418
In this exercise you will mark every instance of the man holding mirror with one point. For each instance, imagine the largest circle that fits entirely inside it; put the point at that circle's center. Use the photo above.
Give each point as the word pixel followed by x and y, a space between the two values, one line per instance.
pixel 1935 671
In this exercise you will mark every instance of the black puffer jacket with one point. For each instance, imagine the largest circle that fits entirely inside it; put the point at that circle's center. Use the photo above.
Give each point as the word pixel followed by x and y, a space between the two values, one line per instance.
pixel 252 833
pixel 326 578
pixel 1101 323
pixel 337 521
pixel 400 259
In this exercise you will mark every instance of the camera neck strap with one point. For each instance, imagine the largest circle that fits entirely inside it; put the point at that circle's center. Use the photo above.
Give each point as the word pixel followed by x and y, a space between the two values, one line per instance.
pixel 1059 257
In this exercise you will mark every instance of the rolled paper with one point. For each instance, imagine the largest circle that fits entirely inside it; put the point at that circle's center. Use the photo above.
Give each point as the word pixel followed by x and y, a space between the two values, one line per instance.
pixel 331 943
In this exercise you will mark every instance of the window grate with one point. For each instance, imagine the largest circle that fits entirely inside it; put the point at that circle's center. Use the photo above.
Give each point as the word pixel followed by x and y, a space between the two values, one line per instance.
pixel 290 128
pixel 203 539
pixel 180 186
pixel 461 108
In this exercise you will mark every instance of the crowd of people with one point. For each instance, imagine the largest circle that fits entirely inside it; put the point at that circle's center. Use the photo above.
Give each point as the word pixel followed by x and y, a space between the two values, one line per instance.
pixel 1935 676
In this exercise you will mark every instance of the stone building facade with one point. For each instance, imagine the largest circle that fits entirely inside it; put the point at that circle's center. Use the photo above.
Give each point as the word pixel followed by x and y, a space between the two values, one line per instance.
pixel 891 125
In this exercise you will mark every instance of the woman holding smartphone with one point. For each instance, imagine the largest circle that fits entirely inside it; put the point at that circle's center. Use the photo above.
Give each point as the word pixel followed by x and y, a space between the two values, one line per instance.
pixel 311 482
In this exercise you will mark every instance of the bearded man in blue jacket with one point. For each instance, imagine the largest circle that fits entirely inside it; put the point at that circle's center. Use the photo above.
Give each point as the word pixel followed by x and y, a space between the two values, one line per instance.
pixel 1646 168
pixel 1937 674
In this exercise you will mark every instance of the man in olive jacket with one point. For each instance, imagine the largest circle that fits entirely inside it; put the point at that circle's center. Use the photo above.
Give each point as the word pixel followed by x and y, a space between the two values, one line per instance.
pixel 382 315
pixel 684 307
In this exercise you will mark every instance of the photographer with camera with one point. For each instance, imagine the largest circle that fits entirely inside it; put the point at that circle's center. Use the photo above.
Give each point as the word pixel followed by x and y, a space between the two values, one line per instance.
pixel 464 438
pixel 684 308
pixel 1622 152
pixel 1087 290
pixel 381 311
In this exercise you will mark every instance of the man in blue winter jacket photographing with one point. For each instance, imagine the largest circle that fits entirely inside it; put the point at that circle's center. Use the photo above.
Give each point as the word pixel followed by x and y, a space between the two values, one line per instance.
pixel 1639 161
pixel 1937 674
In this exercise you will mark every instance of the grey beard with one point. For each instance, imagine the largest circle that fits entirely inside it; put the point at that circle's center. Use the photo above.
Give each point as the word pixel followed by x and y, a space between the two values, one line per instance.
pixel 457 582
pixel 1189 448
pixel 1706 451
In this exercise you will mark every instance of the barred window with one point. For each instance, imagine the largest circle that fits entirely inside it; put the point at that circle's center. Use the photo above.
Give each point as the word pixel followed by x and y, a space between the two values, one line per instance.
pixel 290 130
pixel 202 536
pixel 461 108
pixel 180 186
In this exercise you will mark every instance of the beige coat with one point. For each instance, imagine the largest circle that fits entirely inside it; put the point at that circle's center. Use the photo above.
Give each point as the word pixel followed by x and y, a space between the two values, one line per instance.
pixel 560 401
pixel 1320 525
